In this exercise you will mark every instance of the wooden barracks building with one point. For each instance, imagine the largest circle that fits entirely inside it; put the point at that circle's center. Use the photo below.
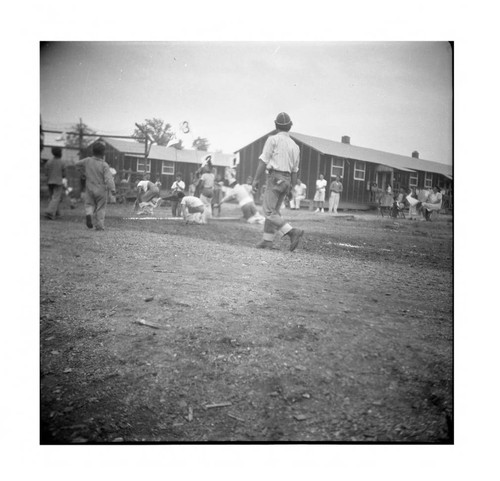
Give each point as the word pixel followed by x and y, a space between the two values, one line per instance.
pixel 128 158
pixel 359 168
pixel 162 163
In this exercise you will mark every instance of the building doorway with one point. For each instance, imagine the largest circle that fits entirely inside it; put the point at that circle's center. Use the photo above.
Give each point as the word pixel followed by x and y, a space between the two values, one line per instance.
pixel 384 179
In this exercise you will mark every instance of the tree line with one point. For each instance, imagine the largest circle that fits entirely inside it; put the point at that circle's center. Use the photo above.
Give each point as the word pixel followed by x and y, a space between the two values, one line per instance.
pixel 158 130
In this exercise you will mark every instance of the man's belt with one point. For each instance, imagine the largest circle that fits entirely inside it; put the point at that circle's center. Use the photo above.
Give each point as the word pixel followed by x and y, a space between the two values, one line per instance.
pixel 281 172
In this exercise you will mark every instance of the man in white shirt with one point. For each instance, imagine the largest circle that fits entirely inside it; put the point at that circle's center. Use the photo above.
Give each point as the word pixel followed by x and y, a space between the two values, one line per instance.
pixel 298 194
pixel 177 186
pixel 280 158
pixel 243 197
pixel 192 209
pixel 146 190
pixel 336 188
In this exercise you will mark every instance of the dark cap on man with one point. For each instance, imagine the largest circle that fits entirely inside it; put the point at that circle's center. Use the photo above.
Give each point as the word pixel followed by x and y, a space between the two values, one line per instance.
pixel 283 121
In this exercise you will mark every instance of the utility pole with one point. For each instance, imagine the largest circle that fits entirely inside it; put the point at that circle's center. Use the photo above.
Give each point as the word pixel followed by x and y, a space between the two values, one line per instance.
pixel 80 138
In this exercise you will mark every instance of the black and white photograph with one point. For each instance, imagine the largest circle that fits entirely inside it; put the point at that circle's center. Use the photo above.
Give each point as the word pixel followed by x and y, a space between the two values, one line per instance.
pixel 246 242
pixel 249 240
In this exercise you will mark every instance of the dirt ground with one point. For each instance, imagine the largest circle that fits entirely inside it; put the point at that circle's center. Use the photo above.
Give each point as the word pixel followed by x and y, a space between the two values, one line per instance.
pixel 347 339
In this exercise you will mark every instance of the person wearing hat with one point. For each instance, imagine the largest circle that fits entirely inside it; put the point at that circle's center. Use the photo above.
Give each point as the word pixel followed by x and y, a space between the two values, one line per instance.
pixel 280 159
pixel 98 181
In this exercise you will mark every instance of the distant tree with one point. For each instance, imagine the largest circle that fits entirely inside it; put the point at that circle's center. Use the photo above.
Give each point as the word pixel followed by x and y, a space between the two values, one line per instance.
pixel 73 140
pixel 157 129
pixel 201 143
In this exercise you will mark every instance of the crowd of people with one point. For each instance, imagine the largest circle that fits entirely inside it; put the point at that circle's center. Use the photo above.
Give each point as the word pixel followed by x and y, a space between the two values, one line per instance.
pixel 421 203
pixel 207 191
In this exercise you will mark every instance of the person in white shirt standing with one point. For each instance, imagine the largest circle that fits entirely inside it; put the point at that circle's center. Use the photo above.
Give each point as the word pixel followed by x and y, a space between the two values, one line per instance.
pixel 177 186
pixel 280 158
pixel 319 196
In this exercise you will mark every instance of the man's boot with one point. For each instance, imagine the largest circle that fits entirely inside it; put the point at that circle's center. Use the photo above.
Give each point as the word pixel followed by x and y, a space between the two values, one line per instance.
pixel 295 235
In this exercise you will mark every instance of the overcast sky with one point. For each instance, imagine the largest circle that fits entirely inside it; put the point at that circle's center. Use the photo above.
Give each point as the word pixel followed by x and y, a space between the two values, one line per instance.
pixel 390 96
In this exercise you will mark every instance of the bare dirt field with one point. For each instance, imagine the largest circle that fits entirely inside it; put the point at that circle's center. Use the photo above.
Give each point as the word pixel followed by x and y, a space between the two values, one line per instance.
pixel 347 339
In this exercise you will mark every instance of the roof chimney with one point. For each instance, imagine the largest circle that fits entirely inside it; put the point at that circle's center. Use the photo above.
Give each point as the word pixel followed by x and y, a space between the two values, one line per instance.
pixel 414 154
pixel 346 139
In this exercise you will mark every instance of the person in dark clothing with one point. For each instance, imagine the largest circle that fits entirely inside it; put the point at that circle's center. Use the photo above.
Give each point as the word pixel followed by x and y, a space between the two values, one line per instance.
pixel 98 181
pixel 56 172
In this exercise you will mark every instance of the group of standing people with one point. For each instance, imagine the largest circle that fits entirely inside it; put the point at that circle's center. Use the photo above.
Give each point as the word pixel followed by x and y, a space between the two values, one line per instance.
pixel 196 207
pixel 336 189
pixel 98 183
pixel 204 193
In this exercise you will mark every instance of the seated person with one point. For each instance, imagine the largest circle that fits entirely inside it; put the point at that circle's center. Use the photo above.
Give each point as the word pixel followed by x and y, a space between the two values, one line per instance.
pixel 433 203
pixel 298 194
pixel 386 201
pixel 399 203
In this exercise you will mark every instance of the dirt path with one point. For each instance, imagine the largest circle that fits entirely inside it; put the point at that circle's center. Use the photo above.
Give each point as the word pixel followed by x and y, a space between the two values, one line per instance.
pixel 347 339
